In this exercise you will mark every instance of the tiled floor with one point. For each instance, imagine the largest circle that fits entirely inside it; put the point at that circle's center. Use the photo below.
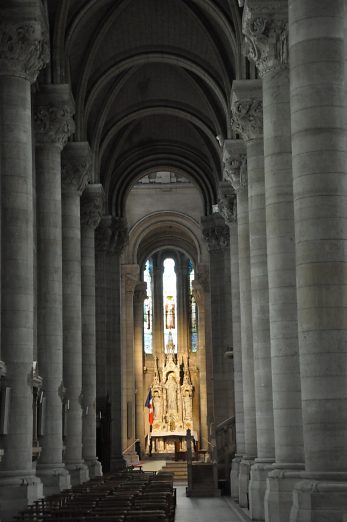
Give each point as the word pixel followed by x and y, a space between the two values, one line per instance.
pixel 206 509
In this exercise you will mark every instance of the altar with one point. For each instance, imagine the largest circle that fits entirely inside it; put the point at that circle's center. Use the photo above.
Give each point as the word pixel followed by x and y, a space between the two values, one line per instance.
pixel 172 400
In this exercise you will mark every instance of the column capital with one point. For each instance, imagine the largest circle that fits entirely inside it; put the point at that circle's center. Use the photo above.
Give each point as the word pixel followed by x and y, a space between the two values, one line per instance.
pixel 92 205
pixel 76 164
pixel 140 292
pixel 24 47
pixel 111 235
pixel 265 26
pixel 227 203
pixel 54 109
pixel 215 232
pixel 235 164
pixel 247 109
pixel 130 276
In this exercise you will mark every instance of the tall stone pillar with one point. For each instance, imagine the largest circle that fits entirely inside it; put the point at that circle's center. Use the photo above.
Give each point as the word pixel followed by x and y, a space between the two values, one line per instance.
pixel 130 277
pixel 247 120
pixel 235 171
pixel 111 237
pixel 228 208
pixel 75 171
pixel 216 233
pixel 200 292
pixel 140 295
pixel 267 45
pixel 54 124
pixel 23 52
pixel 91 211
pixel 317 103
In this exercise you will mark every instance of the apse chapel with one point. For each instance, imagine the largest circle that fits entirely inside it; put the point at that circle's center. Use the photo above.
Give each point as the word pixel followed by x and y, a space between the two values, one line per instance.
pixel 173 184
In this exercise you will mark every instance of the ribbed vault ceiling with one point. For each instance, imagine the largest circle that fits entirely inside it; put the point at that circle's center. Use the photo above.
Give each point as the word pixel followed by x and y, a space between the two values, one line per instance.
pixel 152 81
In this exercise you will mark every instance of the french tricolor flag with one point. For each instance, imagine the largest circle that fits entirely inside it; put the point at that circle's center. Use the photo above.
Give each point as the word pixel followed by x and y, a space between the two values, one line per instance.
pixel 149 405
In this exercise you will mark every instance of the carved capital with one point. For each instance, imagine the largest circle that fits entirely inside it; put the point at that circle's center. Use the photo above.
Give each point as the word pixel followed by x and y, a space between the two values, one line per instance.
pixel 215 232
pixel 24 47
pixel 265 26
pixel 227 202
pixel 235 164
pixel 247 109
pixel 53 115
pixel 75 167
pixel 140 293
pixel 111 235
pixel 92 205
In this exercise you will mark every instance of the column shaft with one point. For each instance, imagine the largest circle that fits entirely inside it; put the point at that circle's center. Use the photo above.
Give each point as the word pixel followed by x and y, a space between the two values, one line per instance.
pixel 319 167
pixel 91 209
pixel 52 133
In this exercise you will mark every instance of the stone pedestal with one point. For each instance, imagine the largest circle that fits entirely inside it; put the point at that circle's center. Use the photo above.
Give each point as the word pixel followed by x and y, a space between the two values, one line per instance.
pixel 257 487
pixel 244 478
pixel 234 477
pixel 279 491
pixel 320 497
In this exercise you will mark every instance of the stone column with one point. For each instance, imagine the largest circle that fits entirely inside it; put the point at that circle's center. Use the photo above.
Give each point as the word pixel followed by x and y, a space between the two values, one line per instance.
pixel 130 277
pixel 247 120
pixel 75 171
pixel 201 295
pixel 317 103
pixel 54 124
pixel 216 233
pixel 91 210
pixel 235 171
pixel 140 295
pixel 23 52
pixel 228 208
pixel 111 237
pixel 266 30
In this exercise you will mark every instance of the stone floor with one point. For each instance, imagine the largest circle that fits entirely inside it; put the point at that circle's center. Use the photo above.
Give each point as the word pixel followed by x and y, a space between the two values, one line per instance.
pixel 220 509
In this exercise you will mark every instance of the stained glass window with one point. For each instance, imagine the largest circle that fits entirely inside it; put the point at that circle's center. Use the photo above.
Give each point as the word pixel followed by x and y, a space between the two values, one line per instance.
pixel 170 301
pixel 148 308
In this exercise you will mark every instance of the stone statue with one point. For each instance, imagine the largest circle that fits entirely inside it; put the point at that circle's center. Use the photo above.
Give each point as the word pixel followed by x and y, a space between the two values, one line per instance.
pixel 157 409
pixel 171 392
pixel 187 405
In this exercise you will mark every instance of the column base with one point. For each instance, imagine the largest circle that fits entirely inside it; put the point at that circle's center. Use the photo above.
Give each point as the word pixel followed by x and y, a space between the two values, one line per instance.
pixel 17 492
pixel 234 477
pixel 78 472
pixel 257 487
pixel 117 463
pixel 94 467
pixel 279 491
pixel 244 476
pixel 320 497
pixel 54 478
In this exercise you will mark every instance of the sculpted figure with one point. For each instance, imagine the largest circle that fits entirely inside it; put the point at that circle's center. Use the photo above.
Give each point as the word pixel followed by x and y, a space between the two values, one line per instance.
pixel 171 390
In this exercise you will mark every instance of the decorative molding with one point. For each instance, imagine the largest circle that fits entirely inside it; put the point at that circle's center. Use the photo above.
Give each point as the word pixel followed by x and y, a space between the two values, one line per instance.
pixel 24 47
pixel 76 165
pixel 92 205
pixel 215 232
pixel 227 202
pixel 112 235
pixel 54 109
pixel 265 26
pixel 140 292
pixel 235 164
pixel 247 109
